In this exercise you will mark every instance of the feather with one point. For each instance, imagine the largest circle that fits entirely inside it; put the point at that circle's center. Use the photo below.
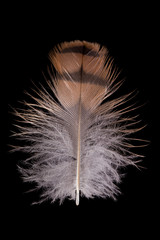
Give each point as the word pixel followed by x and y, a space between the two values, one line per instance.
pixel 76 137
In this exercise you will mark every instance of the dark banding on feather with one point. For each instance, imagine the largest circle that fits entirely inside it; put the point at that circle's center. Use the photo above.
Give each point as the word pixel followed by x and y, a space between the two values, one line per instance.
pixel 81 49
pixel 78 75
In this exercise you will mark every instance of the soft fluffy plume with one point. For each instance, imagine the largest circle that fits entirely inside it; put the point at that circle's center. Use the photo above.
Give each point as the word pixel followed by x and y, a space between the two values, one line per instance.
pixel 76 137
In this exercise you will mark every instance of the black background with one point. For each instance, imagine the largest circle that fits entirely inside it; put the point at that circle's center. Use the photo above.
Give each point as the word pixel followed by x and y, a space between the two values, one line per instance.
pixel 129 33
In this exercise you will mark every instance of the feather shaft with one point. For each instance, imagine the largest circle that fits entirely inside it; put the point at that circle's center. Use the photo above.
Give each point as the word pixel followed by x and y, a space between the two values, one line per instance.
pixel 78 155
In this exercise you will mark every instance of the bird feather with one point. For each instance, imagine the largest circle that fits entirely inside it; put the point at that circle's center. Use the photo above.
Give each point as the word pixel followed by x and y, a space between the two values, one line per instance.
pixel 76 137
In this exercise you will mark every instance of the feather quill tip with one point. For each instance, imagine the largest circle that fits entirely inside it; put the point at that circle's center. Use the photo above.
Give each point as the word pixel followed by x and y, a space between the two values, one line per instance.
pixel 77 197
